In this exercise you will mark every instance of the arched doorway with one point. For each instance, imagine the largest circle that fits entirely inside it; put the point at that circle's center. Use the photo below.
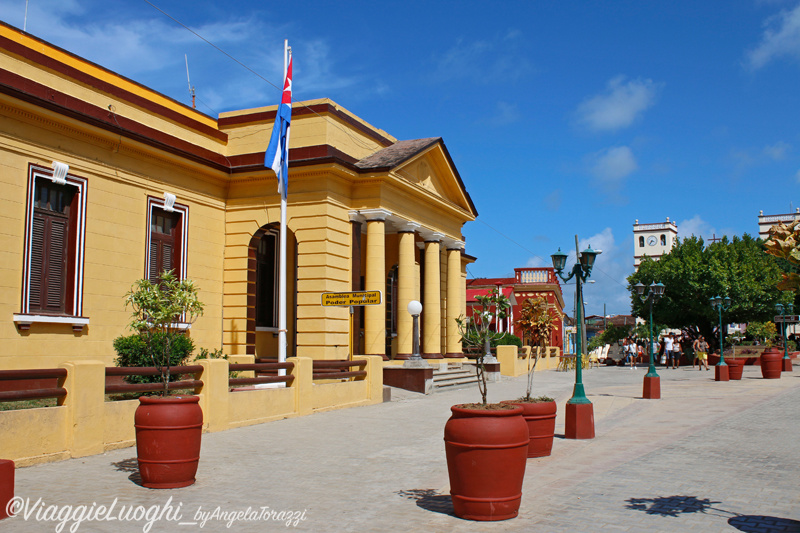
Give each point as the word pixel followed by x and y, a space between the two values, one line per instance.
pixel 262 293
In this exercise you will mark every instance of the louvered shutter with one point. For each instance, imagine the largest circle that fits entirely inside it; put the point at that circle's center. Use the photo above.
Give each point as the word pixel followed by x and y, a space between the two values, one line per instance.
pixel 36 264
pixel 56 265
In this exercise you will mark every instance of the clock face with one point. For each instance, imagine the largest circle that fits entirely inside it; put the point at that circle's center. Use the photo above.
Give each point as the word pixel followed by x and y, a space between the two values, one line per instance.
pixel 651 241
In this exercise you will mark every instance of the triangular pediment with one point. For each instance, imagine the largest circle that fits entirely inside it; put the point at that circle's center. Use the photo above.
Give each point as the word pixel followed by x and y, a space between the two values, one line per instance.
pixel 426 166
pixel 433 171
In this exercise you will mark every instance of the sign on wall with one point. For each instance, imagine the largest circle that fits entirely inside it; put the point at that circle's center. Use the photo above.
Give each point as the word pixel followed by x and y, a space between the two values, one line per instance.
pixel 335 299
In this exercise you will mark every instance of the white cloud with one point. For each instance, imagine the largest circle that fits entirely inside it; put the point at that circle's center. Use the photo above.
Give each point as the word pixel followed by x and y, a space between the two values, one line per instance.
pixel 619 106
pixel 777 151
pixel 140 43
pixel 613 164
pixel 698 227
pixel 610 271
pixel 781 37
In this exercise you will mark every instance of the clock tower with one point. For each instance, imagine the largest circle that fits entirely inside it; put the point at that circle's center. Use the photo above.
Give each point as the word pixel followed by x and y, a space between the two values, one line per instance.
pixel 653 240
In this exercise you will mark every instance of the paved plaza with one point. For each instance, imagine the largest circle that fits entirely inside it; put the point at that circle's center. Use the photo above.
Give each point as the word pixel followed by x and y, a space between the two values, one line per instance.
pixel 709 456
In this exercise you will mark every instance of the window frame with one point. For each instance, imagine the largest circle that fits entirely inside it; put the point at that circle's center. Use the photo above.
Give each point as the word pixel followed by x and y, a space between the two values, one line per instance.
pixel 73 293
pixel 182 210
pixel 274 233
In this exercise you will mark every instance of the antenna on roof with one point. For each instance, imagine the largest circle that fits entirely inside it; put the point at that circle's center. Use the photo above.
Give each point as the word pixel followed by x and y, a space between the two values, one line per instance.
pixel 191 89
pixel 25 20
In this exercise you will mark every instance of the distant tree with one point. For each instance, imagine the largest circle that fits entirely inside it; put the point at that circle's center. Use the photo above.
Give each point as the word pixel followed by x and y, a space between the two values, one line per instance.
pixel 692 273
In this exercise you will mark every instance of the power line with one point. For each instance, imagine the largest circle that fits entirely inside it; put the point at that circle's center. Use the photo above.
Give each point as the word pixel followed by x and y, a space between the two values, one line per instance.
pixel 232 58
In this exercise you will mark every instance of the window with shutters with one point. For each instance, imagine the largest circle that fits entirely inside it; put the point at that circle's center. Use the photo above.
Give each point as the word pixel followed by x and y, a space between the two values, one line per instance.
pixel 54 245
pixel 267 280
pixel 166 239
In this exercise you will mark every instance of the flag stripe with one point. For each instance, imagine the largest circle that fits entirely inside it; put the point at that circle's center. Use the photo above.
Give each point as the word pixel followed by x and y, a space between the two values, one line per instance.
pixel 277 155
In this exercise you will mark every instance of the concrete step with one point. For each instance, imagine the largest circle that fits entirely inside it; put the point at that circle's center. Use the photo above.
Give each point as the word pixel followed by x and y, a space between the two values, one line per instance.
pixel 454 377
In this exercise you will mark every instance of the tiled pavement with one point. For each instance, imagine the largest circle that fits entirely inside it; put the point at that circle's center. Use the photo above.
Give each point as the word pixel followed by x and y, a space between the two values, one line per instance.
pixel 709 456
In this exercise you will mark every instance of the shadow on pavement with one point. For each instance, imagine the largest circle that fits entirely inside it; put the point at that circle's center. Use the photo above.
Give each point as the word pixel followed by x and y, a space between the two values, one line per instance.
pixel 430 500
pixel 763 524
pixel 670 505
pixel 129 465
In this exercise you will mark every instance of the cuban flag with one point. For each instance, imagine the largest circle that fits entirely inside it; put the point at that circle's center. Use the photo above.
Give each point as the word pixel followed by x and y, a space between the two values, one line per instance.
pixel 277 155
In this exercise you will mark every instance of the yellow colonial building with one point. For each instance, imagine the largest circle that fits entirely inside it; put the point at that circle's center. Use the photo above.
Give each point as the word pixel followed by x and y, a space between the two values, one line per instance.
pixel 106 181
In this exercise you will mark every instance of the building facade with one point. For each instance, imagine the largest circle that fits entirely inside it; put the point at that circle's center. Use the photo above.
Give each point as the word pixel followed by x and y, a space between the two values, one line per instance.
pixel 108 181
pixel 653 240
pixel 765 222
pixel 527 283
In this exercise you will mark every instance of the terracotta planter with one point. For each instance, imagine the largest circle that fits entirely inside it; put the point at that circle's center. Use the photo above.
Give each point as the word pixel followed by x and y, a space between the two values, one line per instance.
pixel 486 455
pixel 541 420
pixel 168 432
pixel 735 368
pixel 771 364
pixel 6 486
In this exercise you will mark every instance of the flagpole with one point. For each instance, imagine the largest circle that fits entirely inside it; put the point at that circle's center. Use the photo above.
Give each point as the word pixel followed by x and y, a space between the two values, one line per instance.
pixel 282 255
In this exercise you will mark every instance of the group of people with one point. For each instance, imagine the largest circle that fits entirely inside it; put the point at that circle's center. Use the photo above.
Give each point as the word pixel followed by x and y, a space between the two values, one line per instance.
pixel 669 349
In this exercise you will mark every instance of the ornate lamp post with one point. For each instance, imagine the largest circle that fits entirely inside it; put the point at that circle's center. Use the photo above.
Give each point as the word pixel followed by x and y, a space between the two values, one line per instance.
pixel 652 381
pixel 787 362
pixel 415 361
pixel 580 415
pixel 721 370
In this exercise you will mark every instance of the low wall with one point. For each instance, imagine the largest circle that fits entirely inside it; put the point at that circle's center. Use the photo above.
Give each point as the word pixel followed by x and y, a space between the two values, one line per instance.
pixel 85 424
pixel 514 361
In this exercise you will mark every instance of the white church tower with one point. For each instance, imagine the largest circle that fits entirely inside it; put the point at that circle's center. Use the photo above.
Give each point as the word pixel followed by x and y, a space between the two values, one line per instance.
pixel 653 240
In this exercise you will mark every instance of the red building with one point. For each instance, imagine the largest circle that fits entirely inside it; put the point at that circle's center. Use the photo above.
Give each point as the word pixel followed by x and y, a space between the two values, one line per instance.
pixel 526 283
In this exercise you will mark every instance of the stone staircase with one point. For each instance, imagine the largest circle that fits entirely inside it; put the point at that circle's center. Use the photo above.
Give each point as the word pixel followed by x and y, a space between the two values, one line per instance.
pixel 451 375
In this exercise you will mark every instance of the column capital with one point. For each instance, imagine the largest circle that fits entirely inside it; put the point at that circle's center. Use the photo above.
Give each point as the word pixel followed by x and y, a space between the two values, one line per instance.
pixel 408 227
pixel 433 236
pixel 355 216
pixel 375 214
pixel 453 244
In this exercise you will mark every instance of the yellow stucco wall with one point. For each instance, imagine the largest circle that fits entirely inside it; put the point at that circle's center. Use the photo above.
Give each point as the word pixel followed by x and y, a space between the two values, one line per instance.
pixel 226 208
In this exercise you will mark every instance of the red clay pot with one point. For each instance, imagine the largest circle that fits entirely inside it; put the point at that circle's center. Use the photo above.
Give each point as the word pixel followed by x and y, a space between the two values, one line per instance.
pixel 168 431
pixel 541 420
pixel 735 368
pixel 6 486
pixel 486 455
pixel 771 364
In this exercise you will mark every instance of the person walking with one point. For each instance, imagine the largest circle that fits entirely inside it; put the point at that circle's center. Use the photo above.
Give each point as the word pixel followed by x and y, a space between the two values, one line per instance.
pixel 676 352
pixel 668 349
pixel 700 347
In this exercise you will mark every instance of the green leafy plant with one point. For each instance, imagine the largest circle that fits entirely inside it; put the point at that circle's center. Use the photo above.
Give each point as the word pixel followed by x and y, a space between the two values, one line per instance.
pixel 763 332
pixel 784 243
pixel 157 308
pixel 132 350
pixel 537 320
pixel 476 332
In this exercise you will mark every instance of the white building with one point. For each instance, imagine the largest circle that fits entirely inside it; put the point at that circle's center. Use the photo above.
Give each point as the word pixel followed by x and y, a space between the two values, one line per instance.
pixel 767 221
pixel 653 240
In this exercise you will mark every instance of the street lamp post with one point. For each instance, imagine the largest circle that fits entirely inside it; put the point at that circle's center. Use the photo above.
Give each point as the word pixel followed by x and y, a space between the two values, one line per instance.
pixel 415 361
pixel 787 362
pixel 579 422
pixel 652 381
pixel 721 370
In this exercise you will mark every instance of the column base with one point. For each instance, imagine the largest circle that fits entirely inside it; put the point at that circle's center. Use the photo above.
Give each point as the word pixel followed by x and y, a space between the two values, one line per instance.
pixel 455 355
pixel 432 356
pixel 579 422
pixel 787 365
pixel 721 373
pixel 652 388
pixel 403 356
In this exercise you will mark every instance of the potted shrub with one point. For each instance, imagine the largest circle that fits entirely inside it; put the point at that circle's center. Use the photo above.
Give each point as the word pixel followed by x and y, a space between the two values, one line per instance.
pixel 486 444
pixel 168 428
pixel 537 321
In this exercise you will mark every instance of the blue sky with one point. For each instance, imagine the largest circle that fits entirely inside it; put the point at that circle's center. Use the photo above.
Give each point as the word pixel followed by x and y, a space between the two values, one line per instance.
pixel 563 118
